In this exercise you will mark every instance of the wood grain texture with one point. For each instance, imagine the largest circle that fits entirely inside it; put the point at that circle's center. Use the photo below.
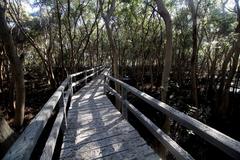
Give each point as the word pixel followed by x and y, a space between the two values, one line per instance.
pixel 225 143
pixel 97 130
pixel 26 142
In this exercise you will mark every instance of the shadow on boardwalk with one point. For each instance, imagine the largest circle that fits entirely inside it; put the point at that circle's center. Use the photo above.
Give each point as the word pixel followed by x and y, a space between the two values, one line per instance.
pixel 96 130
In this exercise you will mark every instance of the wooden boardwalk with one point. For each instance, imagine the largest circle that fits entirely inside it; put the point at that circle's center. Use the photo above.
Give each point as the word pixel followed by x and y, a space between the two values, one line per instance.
pixel 97 130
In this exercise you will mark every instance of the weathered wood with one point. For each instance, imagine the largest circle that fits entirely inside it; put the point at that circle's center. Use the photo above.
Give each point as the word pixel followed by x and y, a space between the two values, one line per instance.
pixel 82 72
pixel 85 132
pixel 78 82
pixel 83 79
pixel 62 103
pixel 114 92
pixel 124 107
pixel 60 122
pixel 52 139
pixel 98 130
pixel 70 86
pixel 25 144
pixel 170 144
pixel 216 138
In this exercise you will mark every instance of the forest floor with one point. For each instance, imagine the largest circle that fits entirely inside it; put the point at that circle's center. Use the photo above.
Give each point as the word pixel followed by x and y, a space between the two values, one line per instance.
pixel 37 95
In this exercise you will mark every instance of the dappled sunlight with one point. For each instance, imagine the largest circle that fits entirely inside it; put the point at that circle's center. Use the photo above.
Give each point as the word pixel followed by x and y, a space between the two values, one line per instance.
pixel 76 75
pixel 96 129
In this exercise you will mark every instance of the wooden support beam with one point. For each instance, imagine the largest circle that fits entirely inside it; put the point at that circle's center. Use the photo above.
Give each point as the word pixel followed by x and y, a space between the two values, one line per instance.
pixel 26 142
pixel 225 143
pixel 170 144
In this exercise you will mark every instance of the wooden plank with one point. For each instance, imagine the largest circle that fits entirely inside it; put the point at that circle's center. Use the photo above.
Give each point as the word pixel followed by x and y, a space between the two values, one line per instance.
pixel 101 151
pixel 97 129
pixel 26 142
pixel 67 151
pixel 91 131
pixel 59 122
pixel 225 143
pixel 85 108
pixel 170 144
pixel 78 82
pixel 93 136
pixel 141 153
pixel 87 111
pixel 98 69
pixel 91 117
pixel 52 139
pixel 82 142
pixel 77 74
pixel 96 123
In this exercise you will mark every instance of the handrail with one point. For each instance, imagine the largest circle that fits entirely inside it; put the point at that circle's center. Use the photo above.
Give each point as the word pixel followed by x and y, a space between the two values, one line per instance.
pixel 27 141
pixel 79 73
pixel 225 143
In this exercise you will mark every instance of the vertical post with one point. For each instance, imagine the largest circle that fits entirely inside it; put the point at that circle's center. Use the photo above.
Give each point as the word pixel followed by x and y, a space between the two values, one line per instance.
pixel 63 104
pixel 124 106
pixel 70 85
pixel 94 74
pixel 85 77
pixel 104 83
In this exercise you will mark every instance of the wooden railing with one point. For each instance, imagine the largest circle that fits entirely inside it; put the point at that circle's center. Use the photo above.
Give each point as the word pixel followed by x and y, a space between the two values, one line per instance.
pixel 27 141
pixel 216 138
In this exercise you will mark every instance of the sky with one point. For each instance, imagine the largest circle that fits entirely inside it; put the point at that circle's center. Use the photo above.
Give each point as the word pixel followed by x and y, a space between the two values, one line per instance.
pixel 28 6
pixel 230 4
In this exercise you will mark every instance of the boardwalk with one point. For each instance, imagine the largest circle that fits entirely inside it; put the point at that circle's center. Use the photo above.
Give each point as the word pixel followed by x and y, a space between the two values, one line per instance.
pixel 97 130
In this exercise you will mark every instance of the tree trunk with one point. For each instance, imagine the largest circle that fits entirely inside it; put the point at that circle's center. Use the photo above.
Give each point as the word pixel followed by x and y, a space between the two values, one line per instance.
pixel 69 33
pixel 167 63
pixel 1 72
pixel 60 38
pixel 107 18
pixel 223 94
pixel 194 52
pixel 16 67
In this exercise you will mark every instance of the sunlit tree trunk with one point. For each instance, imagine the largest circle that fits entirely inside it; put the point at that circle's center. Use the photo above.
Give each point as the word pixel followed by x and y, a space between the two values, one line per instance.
pixel 47 62
pixel 167 62
pixel 107 18
pixel 223 95
pixel 16 67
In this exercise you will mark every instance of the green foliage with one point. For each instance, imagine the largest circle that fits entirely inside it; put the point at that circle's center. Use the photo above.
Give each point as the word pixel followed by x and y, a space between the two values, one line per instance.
pixel 137 27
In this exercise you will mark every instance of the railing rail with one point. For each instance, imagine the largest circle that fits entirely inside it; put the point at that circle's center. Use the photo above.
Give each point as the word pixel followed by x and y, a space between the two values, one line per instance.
pixel 216 138
pixel 27 141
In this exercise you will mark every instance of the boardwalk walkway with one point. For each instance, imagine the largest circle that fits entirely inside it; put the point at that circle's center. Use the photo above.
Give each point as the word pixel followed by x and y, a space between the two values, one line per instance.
pixel 97 130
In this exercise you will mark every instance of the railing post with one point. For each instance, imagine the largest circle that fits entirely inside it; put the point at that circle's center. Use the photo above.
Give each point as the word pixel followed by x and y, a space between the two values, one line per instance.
pixel 124 106
pixel 104 84
pixel 85 77
pixel 62 103
pixel 95 72
pixel 71 87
